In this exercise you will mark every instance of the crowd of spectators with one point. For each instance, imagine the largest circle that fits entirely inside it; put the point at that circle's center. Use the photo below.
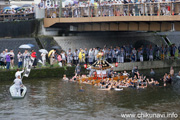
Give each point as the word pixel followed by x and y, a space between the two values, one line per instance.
pixel 120 54
pixel 118 8
pixel 20 11
pixel 7 59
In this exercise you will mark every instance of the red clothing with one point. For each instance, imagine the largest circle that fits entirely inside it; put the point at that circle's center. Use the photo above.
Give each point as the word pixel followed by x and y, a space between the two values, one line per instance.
pixel 33 55
pixel 59 58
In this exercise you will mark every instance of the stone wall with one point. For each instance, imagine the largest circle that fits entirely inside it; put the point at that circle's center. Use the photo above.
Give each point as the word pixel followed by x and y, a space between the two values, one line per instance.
pixel 14 43
pixel 26 28
pixel 174 37
pixel 148 65
pixel 47 42
pixel 99 39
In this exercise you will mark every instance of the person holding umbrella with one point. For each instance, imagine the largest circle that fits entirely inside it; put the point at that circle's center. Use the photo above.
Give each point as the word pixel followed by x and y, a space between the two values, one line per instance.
pixel 52 57
pixel 43 55
pixel 26 56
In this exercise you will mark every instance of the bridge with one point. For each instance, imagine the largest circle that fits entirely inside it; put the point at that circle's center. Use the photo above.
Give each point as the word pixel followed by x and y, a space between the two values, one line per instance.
pixel 161 16
pixel 17 16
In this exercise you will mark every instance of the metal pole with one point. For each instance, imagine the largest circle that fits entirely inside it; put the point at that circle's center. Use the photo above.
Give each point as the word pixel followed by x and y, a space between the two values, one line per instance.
pixel 60 8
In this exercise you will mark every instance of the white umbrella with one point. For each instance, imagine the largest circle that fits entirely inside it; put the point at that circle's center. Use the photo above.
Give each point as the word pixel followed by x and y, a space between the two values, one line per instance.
pixel 25 46
pixel 13 6
pixel 43 51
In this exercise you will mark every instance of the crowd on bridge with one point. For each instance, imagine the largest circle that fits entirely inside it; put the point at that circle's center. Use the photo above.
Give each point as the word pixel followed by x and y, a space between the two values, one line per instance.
pixel 120 54
pixel 16 11
pixel 118 8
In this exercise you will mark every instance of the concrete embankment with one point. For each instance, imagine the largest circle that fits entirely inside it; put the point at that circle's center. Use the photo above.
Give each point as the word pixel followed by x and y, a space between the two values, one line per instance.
pixel 148 65
pixel 14 43
pixel 172 37
pixel 99 39
pixel 26 28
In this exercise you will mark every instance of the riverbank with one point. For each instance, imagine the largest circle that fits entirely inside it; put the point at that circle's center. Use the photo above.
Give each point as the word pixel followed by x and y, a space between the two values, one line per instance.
pixel 148 65
pixel 39 73
pixel 50 72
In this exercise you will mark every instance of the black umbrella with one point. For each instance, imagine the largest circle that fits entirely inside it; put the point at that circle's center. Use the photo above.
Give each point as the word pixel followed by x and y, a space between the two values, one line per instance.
pixel 56 47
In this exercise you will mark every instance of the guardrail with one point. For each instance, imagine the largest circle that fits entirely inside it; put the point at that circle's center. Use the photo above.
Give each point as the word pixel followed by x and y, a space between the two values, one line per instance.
pixel 13 17
pixel 130 9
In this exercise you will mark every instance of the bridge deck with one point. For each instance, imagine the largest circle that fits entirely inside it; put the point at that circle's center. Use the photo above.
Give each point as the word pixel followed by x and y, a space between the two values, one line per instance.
pixel 51 21
pixel 136 15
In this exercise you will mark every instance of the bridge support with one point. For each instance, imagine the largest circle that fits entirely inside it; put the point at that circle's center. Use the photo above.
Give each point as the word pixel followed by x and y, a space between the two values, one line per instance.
pixel 129 26
pixel 177 26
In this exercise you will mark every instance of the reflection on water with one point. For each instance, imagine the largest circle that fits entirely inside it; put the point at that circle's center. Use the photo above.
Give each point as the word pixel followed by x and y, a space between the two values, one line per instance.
pixel 55 99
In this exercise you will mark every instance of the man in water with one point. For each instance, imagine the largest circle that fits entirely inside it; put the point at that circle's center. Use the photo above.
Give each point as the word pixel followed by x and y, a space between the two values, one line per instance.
pixel 78 69
pixel 18 84
pixel 110 73
pixel 135 72
pixel 91 71
pixel 18 73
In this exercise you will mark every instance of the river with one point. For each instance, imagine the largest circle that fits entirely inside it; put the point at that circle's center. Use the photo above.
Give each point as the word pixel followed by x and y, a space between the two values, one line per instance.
pixel 52 98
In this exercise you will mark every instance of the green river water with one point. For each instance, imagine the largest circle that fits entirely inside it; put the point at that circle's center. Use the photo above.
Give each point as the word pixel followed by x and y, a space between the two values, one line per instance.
pixel 54 99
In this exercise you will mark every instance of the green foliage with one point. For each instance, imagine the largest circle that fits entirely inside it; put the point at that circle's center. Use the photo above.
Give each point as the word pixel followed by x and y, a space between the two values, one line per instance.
pixel 39 73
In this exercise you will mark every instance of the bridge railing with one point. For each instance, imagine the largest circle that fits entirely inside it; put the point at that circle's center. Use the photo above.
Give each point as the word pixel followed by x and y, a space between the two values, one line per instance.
pixel 131 9
pixel 20 16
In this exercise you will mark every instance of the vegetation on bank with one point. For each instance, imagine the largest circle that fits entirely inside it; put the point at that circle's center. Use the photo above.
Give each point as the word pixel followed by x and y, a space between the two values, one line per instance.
pixel 39 73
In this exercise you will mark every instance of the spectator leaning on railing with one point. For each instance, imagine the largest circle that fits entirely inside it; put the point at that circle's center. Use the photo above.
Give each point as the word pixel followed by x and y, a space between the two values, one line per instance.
pixel 117 8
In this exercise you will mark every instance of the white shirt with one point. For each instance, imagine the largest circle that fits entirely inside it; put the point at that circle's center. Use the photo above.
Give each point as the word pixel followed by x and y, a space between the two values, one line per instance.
pixel 63 56
pixel 18 82
pixel 53 54
pixel 18 73
pixel 96 52
pixel 26 56
pixel 43 55
pixel 19 56
pixel 125 74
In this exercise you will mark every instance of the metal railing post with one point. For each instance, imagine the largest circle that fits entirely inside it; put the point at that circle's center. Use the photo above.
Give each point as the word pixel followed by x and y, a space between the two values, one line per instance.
pixel 72 9
pixel 60 8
